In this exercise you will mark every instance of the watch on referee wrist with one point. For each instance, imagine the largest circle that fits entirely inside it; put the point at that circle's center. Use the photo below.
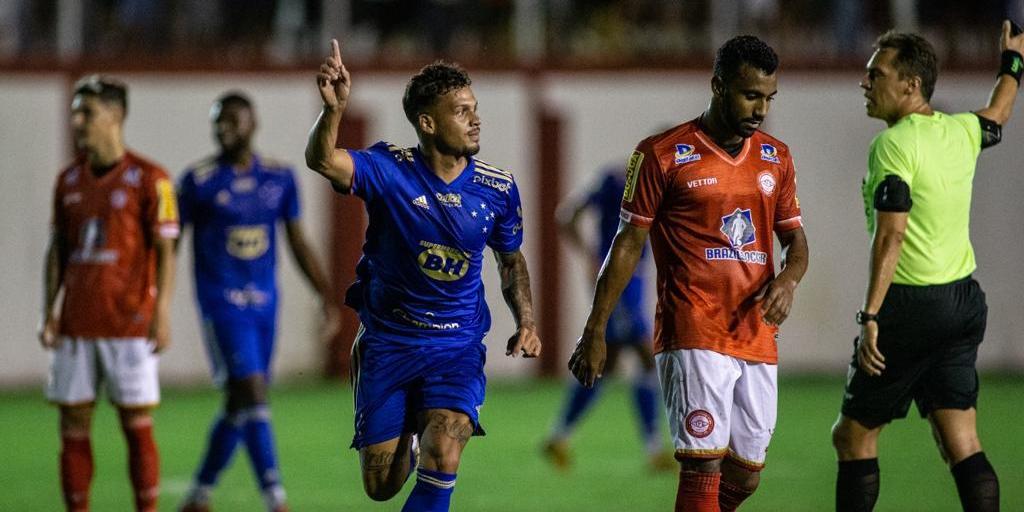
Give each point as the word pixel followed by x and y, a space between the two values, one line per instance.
pixel 864 317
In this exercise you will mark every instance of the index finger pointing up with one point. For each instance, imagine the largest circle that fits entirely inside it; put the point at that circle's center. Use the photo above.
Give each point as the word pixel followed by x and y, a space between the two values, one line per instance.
pixel 335 50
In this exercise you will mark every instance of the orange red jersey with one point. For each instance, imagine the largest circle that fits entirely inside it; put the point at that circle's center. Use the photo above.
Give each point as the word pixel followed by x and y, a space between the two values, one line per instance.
pixel 107 226
pixel 711 218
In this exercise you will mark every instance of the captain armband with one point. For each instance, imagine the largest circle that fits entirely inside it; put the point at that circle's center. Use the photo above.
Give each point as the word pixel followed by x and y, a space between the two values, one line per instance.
pixel 893 195
pixel 991 132
pixel 1011 63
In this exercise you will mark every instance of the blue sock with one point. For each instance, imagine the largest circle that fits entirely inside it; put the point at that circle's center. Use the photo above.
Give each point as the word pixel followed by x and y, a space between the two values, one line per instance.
pixel 645 394
pixel 259 440
pixel 579 401
pixel 223 438
pixel 432 493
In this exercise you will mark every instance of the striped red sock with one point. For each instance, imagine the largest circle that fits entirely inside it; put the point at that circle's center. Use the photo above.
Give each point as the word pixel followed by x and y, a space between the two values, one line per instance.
pixel 76 471
pixel 143 463
pixel 730 496
pixel 698 492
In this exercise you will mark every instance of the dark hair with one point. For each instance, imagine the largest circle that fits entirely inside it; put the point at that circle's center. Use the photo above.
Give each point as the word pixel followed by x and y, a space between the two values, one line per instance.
pixel 915 56
pixel 234 98
pixel 107 89
pixel 744 50
pixel 433 81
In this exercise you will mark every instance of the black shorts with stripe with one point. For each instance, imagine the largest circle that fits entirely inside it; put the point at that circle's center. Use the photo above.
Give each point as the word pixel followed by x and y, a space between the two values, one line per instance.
pixel 929 336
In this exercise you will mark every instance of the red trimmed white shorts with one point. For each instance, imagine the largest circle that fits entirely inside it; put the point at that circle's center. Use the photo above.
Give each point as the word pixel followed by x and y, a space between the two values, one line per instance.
pixel 718 405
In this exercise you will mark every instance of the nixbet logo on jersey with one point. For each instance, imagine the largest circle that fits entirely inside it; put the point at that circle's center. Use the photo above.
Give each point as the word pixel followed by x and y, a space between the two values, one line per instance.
pixel 738 228
pixel 442 262
pixel 495 183
pixel 247 242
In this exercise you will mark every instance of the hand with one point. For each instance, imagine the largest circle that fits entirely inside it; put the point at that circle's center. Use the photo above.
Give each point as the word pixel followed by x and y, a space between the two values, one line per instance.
pixel 1010 42
pixel 160 330
pixel 333 79
pixel 587 361
pixel 524 340
pixel 776 298
pixel 869 357
pixel 48 332
pixel 330 324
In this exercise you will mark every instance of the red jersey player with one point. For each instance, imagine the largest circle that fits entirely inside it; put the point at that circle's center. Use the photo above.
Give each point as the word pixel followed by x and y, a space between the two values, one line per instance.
pixel 710 193
pixel 112 252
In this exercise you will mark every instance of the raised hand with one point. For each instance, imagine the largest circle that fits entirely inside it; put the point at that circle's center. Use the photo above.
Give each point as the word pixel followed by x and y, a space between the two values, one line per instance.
pixel 333 79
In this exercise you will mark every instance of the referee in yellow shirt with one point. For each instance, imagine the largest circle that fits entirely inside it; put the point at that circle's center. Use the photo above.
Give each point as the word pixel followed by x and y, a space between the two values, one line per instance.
pixel 923 315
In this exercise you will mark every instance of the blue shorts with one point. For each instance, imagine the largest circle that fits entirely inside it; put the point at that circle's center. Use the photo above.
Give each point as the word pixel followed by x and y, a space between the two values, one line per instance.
pixel 393 382
pixel 239 344
pixel 626 326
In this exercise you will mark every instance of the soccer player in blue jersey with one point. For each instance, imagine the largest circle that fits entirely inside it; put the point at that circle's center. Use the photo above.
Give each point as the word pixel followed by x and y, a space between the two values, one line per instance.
pixel 418 360
pixel 234 201
pixel 627 329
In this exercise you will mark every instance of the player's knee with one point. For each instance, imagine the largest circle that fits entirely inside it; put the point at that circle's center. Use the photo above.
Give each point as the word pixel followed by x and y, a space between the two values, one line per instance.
pixel 75 420
pixel 380 488
pixel 701 465
pixel 135 417
pixel 444 437
pixel 247 392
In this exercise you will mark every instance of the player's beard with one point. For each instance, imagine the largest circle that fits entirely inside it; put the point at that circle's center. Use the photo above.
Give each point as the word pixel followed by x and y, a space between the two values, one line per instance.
pixel 466 149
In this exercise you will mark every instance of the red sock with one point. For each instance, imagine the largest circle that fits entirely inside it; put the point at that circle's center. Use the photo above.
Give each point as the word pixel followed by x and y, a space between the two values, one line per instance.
pixel 76 471
pixel 730 496
pixel 143 463
pixel 698 492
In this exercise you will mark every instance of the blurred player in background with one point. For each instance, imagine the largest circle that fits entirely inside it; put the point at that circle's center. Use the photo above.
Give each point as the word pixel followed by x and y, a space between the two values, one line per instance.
pixel 627 327
pixel 711 192
pixel 233 201
pixel 111 251
pixel 418 361
pixel 923 315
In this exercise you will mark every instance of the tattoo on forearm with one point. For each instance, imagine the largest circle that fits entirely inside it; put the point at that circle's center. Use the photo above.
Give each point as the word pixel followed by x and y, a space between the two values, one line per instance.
pixel 515 287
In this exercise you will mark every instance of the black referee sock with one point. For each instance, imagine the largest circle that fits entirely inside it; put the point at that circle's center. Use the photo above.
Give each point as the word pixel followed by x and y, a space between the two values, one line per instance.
pixel 857 485
pixel 977 484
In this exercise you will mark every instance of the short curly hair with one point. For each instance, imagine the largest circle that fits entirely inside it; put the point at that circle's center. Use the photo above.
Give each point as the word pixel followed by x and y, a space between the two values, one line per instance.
pixel 433 81
pixel 915 56
pixel 744 50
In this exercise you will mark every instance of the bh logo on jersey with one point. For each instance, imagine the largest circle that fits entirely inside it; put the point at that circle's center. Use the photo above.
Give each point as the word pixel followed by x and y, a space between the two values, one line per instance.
pixel 685 154
pixel 443 263
pixel 769 153
pixel 738 228
pixel 248 242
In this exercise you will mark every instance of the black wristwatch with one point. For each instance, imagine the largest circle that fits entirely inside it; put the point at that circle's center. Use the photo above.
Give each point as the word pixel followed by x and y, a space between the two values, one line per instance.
pixel 863 318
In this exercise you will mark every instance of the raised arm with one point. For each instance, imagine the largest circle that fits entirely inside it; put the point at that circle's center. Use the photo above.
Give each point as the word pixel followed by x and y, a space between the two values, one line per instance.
pixel 587 361
pixel 322 156
pixel 515 287
pixel 1000 102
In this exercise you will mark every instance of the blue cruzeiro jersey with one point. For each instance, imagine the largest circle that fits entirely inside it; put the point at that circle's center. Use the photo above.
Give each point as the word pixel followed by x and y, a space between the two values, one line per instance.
pixel 234 216
pixel 606 199
pixel 419 277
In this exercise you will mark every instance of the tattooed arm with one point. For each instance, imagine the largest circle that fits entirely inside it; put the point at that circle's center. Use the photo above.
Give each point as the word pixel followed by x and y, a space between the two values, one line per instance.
pixel 515 286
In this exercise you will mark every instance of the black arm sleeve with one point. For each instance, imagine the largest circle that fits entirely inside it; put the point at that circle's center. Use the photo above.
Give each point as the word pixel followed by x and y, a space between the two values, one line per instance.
pixel 893 195
pixel 991 132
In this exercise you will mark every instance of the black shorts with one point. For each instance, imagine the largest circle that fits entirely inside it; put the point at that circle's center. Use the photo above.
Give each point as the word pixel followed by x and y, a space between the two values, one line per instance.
pixel 929 336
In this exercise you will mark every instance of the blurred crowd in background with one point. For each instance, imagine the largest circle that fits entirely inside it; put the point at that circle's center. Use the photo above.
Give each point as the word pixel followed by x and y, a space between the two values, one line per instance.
pixel 576 33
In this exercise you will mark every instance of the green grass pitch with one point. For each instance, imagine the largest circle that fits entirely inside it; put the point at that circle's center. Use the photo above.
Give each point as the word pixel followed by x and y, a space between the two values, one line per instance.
pixel 503 472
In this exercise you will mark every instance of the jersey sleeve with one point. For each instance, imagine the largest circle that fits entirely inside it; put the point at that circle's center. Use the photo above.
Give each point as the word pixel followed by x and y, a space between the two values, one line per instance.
pixel 186 198
pixel 972 126
pixel 160 205
pixel 787 210
pixel 645 186
pixel 371 166
pixel 889 157
pixel 507 234
pixel 290 208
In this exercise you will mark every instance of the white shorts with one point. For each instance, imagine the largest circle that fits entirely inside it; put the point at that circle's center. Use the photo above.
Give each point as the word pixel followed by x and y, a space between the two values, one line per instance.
pixel 127 366
pixel 718 405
